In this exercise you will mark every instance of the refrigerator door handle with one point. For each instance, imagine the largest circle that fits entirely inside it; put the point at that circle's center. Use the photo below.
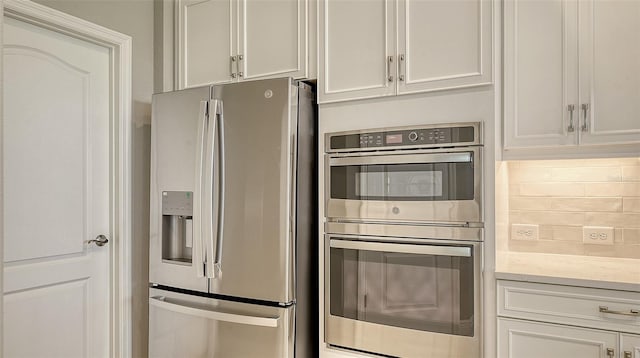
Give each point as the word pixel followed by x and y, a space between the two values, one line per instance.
pixel 213 194
pixel 183 308
pixel 210 168
pixel 201 143
pixel 220 189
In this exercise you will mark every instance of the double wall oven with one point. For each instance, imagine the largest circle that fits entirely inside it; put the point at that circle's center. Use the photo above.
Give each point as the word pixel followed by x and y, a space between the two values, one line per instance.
pixel 403 240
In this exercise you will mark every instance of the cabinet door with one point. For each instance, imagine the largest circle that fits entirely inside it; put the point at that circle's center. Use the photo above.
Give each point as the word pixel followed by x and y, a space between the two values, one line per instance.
pixel 444 44
pixel 272 38
pixel 609 71
pixel 205 42
pixel 357 49
pixel 527 339
pixel 629 346
pixel 540 73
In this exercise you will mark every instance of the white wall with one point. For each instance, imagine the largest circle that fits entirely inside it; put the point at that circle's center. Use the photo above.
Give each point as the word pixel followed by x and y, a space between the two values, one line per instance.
pixel 134 18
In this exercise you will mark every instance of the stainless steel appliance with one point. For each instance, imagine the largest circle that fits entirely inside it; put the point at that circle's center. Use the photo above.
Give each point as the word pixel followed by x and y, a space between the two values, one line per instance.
pixel 403 241
pixel 232 207
pixel 406 174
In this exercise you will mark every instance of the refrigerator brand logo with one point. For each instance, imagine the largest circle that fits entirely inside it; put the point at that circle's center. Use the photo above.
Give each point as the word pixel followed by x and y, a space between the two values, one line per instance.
pixel 268 94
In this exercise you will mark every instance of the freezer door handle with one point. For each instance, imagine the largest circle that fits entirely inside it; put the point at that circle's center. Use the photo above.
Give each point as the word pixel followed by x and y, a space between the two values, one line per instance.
pixel 184 308
pixel 198 237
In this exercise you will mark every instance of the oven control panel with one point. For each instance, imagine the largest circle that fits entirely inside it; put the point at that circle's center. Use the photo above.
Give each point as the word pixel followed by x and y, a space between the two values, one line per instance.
pixel 441 136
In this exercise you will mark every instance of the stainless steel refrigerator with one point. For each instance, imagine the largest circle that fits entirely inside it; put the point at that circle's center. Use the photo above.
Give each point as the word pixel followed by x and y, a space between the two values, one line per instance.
pixel 232 264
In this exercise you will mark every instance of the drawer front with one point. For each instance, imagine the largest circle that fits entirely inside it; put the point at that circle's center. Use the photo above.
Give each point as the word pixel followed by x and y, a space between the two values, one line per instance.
pixel 588 307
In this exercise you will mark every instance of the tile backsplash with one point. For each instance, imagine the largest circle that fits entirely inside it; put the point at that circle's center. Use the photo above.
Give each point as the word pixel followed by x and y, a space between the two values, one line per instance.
pixel 563 196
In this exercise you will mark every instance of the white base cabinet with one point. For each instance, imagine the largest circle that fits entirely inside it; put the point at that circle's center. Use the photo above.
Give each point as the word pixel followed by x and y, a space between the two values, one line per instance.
pixel 527 339
pixel 541 320
pixel 630 345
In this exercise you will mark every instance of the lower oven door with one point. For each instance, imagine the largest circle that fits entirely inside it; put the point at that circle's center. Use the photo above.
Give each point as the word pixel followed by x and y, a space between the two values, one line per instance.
pixel 403 297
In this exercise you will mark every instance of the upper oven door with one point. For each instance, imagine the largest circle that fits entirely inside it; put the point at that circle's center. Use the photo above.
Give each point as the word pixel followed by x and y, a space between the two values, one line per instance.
pixel 442 185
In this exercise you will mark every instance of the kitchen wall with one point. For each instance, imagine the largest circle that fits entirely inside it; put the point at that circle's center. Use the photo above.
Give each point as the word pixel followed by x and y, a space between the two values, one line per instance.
pixel 562 196
pixel 134 18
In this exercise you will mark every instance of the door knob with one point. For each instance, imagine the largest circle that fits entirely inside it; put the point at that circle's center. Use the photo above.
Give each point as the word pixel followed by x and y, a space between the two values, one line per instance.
pixel 100 240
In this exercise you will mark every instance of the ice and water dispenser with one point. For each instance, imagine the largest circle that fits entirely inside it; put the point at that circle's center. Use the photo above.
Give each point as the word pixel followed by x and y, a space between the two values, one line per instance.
pixel 177 226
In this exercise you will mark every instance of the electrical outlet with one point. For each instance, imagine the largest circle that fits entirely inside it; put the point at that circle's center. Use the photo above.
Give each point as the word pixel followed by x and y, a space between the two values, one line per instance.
pixel 599 235
pixel 524 232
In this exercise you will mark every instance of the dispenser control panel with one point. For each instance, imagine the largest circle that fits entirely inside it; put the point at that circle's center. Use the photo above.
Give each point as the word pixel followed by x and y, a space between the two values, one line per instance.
pixel 177 203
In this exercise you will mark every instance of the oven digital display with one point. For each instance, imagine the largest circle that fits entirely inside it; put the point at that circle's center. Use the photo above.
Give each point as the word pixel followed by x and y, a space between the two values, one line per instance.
pixel 394 138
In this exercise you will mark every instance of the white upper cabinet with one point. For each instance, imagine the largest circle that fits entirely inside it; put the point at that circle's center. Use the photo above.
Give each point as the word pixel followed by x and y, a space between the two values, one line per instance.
pixel 571 73
pixel 443 44
pixel 357 49
pixel 540 72
pixel 609 71
pixel 222 41
pixel 379 48
pixel 205 42
pixel 272 38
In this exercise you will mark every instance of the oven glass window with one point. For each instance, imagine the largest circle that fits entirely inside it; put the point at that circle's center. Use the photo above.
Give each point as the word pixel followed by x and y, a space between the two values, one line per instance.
pixel 403 182
pixel 431 293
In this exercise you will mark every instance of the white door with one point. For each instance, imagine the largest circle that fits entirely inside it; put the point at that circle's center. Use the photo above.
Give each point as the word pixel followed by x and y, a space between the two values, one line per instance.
pixel 630 345
pixel 528 339
pixel 609 71
pixel 356 49
pixel 444 44
pixel 272 39
pixel 540 73
pixel 206 43
pixel 57 190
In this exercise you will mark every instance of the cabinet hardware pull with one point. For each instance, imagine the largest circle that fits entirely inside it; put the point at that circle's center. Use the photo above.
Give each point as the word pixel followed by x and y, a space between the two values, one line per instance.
pixel 240 65
pixel 585 109
pixel 571 108
pixel 611 352
pixel 231 63
pixel 632 312
pixel 389 62
pixel 402 67
pixel 627 354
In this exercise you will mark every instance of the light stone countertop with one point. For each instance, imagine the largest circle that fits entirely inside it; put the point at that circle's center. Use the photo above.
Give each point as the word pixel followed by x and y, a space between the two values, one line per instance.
pixel 572 270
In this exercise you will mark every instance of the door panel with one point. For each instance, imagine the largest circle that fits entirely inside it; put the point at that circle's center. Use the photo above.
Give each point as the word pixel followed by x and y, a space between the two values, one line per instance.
pixel 205 41
pixel 257 247
pixel 610 85
pixel 272 38
pixel 630 343
pixel 64 302
pixel 173 167
pixel 353 59
pixel 191 326
pixel 526 339
pixel 446 44
pixel 541 78
pixel 56 184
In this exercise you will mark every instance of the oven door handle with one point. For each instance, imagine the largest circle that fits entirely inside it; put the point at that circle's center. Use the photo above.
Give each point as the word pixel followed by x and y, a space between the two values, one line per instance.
pixel 457 251
pixel 461 157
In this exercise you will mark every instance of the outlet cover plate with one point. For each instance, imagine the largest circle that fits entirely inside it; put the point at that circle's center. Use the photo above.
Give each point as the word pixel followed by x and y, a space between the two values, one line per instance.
pixel 597 235
pixel 526 232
